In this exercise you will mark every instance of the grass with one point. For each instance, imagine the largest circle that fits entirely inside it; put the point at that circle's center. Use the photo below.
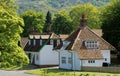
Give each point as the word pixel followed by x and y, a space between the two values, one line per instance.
pixel 57 72
pixel 11 68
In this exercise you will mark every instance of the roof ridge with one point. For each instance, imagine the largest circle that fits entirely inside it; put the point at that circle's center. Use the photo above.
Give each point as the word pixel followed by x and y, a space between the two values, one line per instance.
pixel 100 37
pixel 76 38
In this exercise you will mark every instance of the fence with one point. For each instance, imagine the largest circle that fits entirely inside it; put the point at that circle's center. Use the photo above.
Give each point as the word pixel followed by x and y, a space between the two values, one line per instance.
pixel 102 69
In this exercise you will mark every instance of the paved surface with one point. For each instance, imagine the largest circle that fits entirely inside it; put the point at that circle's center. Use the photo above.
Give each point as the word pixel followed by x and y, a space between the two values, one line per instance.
pixel 14 73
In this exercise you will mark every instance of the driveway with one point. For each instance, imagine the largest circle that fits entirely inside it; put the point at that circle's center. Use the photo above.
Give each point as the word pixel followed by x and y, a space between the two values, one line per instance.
pixel 14 73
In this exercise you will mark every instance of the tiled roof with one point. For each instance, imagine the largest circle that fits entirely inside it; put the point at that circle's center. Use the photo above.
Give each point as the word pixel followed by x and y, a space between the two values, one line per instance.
pixel 43 36
pixel 98 32
pixel 77 39
pixel 45 41
pixel 23 41
pixel 33 48
pixel 89 54
pixel 63 36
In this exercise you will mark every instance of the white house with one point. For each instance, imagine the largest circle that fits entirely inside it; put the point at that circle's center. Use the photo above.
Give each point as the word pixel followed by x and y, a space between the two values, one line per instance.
pixel 84 48
pixel 39 49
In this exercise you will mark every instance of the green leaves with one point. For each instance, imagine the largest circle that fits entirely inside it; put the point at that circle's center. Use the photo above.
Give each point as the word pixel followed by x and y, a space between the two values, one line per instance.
pixel 62 23
pixel 10 29
pixel 32 19
pixel 111 22
pixel 93 15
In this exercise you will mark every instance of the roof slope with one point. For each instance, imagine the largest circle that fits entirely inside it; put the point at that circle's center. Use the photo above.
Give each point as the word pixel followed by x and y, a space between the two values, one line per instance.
pixel 23 41
pixel 37 36
pixel 80 35
pixel 77 39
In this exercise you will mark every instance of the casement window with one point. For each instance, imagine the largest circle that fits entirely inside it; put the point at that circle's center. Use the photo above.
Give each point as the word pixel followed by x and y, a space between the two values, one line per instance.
pixel 63 59
pixel 51 42
pixel 40 42
pixel 91 44
pixel 105 59
pixel 58 42
pixel 29 42
pixel 37 57
pixel 34 42
pixel 70 60
pixel 91 61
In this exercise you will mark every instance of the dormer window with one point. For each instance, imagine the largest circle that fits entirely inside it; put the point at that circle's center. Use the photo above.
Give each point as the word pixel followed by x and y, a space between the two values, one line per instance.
pixel 29 42
pixel 40 42
pixel 58 42
pixel 51 42
pixel 91 44
pixel 34 42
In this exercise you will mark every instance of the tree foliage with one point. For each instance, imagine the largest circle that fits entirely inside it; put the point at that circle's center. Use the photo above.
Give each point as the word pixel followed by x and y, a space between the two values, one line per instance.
pixel 92 13
pixel 10 28
pixel 62 23
pixel 111 23
pixel 32 19
pixel 54 5
pixel 48 23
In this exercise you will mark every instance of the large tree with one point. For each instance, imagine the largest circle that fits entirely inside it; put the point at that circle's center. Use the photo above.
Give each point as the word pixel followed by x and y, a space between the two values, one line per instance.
pixel 32 19
pixel 111 23
pixel 62 23
pixel 48 23
pixel 92 13
pixel 10 28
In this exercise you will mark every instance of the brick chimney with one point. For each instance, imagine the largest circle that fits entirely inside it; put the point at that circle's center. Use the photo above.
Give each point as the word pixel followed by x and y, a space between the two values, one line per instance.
pixel 83 21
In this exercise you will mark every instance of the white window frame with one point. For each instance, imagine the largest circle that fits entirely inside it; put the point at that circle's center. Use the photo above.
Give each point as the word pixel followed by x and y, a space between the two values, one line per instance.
pixel 34 42
pixel 40 42
pixel 58 42
pixel 63 60
pixel 91 61
pixel 29 43
pixel 106 59
pixel 51 42
pixel 91 44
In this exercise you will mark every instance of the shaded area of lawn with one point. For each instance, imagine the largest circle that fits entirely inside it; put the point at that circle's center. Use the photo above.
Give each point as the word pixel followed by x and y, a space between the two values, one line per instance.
pixel 60 72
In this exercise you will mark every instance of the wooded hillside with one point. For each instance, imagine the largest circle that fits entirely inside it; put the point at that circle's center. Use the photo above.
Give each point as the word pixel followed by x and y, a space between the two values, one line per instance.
pixel 54 5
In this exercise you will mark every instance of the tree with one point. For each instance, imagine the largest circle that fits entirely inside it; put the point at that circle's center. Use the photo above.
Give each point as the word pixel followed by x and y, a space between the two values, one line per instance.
pixel 11 55
pixel 32 19
pixel 92 13
pixel 111 23
pixel 62 23
pixel 48 23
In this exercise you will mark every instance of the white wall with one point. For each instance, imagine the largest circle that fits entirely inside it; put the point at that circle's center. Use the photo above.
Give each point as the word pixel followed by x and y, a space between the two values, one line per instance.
pixel 67 55
pixel 98 63
pixel 34 54
pixel 106 54
pixel 48 56
pixel 75 65
pixel 76 61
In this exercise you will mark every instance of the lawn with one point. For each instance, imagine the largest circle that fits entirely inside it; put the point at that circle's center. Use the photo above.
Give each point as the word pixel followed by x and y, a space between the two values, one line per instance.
pixel 57 72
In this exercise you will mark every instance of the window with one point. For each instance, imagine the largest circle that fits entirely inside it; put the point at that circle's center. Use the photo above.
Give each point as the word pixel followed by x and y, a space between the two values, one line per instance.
pixel 51 42
pixel 40 42
pixel 34 42
pixel 105 59
pixel 29 43
pixel 69 60
pixel 91 61
pixel 58 42
pixel 63 60
pixel 91 44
